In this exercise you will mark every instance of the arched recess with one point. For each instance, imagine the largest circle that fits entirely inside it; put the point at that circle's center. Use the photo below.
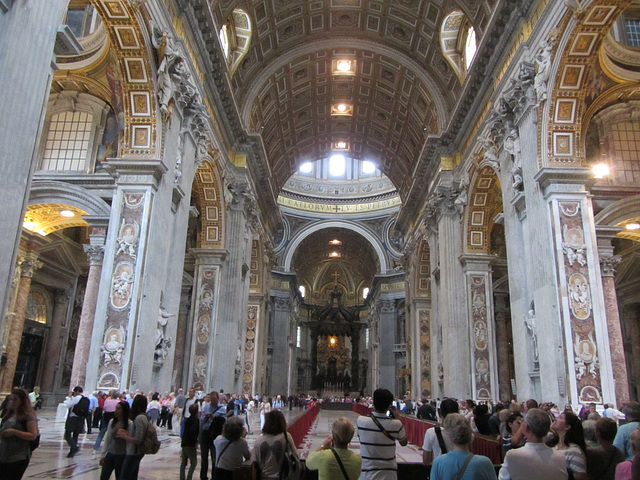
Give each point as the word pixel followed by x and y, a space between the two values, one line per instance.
pixel 287 257
pixel 208 189
pixel 236 32
pixel 51 191
pixel 574 81
pixel 454 35
pixel 134 83
pixel 485 204
pixel 620 213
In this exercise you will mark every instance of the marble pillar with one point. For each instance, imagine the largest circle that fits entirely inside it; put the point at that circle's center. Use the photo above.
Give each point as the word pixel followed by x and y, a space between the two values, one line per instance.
pixel 28 265
pixel 631 315
pixel 386 340
pixel 280 357
pixel 53 353
pixel 95 255
pixel 501 310
pixel 607 269
pixel 181 338
pixel 27 35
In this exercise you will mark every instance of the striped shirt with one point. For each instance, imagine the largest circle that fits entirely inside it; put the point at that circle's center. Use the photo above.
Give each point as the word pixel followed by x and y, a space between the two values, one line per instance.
pixel 379 452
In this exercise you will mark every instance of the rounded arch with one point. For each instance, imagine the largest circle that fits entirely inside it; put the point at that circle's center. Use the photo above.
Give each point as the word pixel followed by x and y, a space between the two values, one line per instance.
pixel 51 191
pixel 238 32
pixel 455 32
pixel 208 191
pixel 485 203
pixel 573 83
pixel 304 233
pixel 133 84
pixel 618 214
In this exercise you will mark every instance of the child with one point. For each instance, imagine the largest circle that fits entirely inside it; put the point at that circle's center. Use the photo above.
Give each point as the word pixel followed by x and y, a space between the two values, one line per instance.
pixel 189 442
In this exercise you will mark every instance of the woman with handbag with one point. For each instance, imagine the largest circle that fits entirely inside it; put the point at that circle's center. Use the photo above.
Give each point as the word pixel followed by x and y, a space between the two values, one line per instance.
pixel 333 459
pixel 460 463
pixel 18 429
pixel 271 448
pixel 231 448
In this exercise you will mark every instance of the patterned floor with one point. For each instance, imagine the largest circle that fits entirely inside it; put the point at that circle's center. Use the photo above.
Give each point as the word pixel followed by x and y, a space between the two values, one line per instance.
pixel 49 460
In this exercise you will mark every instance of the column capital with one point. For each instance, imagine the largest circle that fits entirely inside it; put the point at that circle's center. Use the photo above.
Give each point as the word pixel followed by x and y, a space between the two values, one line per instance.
pixel 386 306
pixel 29 265
pixel 63 296
pixel 608 265
pixel 95 254
pixel 564 180
pixel 136 171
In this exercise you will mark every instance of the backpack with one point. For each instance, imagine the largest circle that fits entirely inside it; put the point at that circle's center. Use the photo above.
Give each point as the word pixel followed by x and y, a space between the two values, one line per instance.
pixel 81 409
pixel 150 445
pixel 291 466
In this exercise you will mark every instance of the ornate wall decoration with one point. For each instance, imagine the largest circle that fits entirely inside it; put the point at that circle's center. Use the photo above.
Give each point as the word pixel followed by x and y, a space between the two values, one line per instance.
pixel 249 349
pixel 480 336
pixel 424 317
pixel 123 280
pixel 204 325
pixel 212 213
pixel 579 297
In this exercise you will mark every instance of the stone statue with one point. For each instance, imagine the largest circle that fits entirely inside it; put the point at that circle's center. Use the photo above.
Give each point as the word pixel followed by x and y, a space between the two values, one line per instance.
pixel 512 145
pixel 162 343
pixel 168 57
pixel 543 70
pixel 530 322
pixel 490 153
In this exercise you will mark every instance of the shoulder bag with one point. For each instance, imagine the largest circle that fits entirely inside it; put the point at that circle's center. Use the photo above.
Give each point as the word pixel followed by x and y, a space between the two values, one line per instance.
pixel 344 471
pixel 377 422
pixel 291 468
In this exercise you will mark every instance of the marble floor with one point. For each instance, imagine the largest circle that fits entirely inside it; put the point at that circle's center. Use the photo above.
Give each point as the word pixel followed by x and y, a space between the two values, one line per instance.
pixel 49 460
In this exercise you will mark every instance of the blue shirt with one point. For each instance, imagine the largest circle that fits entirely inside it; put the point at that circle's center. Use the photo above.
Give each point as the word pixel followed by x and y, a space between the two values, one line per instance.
pixel 622 438
pixel 448 466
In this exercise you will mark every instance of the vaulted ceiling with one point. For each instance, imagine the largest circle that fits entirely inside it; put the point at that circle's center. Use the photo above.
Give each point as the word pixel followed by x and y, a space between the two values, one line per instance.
pixel 402 90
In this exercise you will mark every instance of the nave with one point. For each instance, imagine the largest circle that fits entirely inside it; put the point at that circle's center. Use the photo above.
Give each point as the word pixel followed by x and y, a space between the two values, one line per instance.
pixel 49 460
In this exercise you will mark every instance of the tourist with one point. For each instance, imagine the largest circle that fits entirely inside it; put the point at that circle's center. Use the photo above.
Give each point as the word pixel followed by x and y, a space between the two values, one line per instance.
pixel 632 412
pixel 153 408
pixel 437 441
pixel 625 470
pixel 268 452
pixel 460 463
pixel 378 434
pixel 78 406
pixel 334 459
pixel 18 428
pixel 514 437
pixel 265 407
pixel 134 436
pixel 535 460
pixel 568 437
pixel 603 458
pixel 115 449
pixel 231 449
pixel 108 412
pixel 212 418
pixel 36 398
pixel 189 443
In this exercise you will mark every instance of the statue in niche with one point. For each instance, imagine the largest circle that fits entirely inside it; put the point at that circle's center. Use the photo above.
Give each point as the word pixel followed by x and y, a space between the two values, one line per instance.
pixel 512 145
pixel 168 57
pixel 113 347
pixel 530 322
pixel 162 342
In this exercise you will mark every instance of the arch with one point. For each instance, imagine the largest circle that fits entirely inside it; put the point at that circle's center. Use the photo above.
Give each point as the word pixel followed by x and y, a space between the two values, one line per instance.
pixel 304 233
pixel 485 202
pixel 133 84
pixel 208 188
pixel 239 31
pixel 454 36
pixel 52 191
pixel 573 87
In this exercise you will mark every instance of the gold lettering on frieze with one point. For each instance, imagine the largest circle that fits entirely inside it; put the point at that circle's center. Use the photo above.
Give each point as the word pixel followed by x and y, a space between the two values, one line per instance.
pixel 345 208
pixel 391 287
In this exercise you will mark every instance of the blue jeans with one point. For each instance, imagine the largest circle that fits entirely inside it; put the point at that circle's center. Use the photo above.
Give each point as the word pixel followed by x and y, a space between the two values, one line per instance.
pixel 131 466
pixel 112 463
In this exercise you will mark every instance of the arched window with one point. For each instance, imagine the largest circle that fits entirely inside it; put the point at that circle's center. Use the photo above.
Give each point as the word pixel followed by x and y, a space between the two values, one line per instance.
pixel 79 127
pixel 235 37
pixel 459 42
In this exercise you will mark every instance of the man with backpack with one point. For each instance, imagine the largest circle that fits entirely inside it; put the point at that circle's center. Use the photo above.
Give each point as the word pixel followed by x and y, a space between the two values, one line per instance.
pixel 78 406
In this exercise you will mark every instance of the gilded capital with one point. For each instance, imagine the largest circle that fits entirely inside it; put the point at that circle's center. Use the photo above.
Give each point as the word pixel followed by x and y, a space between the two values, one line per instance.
pixel 29 265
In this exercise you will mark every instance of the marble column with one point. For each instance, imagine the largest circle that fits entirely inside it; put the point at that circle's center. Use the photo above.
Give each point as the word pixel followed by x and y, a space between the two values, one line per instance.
pixel 314 357
pixel 280 357
pixel 27 31
pixel 181 338
pixel 53 354
pixel 95 255
pixel 608 265
pixel 501 310
pixel 386 357
pixel 631 316
pixel 28 265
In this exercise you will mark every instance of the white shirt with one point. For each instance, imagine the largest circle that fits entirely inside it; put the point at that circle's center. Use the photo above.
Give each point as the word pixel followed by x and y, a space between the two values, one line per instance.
pixel 431 444
pixel 534 461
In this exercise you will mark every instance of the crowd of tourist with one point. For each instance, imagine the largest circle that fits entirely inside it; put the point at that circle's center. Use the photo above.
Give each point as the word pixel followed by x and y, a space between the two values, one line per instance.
pixel 539 441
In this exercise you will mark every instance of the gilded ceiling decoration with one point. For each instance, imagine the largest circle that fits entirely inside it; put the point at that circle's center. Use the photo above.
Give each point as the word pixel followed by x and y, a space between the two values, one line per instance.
pixel 46 218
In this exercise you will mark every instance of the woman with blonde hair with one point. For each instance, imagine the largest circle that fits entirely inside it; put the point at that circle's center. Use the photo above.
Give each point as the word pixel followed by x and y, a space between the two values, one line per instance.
pixel 333 459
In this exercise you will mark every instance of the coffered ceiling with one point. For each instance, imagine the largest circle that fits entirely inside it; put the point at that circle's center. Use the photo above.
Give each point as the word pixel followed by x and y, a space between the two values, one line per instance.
pixel 402 89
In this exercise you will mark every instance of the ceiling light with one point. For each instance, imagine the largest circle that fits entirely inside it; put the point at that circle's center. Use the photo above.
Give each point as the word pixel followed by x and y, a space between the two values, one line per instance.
pixel 632 226
pixel 343 109
pixel 333 341
pixel 341 144
pixel 600 170
pixel 344 65
pixel 335 242
pixel 334 255
pixel 67 213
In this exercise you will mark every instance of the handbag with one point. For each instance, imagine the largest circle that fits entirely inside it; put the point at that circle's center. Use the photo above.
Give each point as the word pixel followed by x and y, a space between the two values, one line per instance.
pixel 35 443
pixel 291 468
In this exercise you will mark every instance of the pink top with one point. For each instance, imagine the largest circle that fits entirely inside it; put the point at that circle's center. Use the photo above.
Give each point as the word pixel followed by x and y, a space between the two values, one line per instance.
pixel 110 404
pixel 623 471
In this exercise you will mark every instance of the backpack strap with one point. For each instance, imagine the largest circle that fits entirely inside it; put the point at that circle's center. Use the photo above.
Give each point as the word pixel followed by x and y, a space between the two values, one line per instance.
pixel 443 446
pixel 222 452
pixel 464 467
pixel 344 472
pixel 377 422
